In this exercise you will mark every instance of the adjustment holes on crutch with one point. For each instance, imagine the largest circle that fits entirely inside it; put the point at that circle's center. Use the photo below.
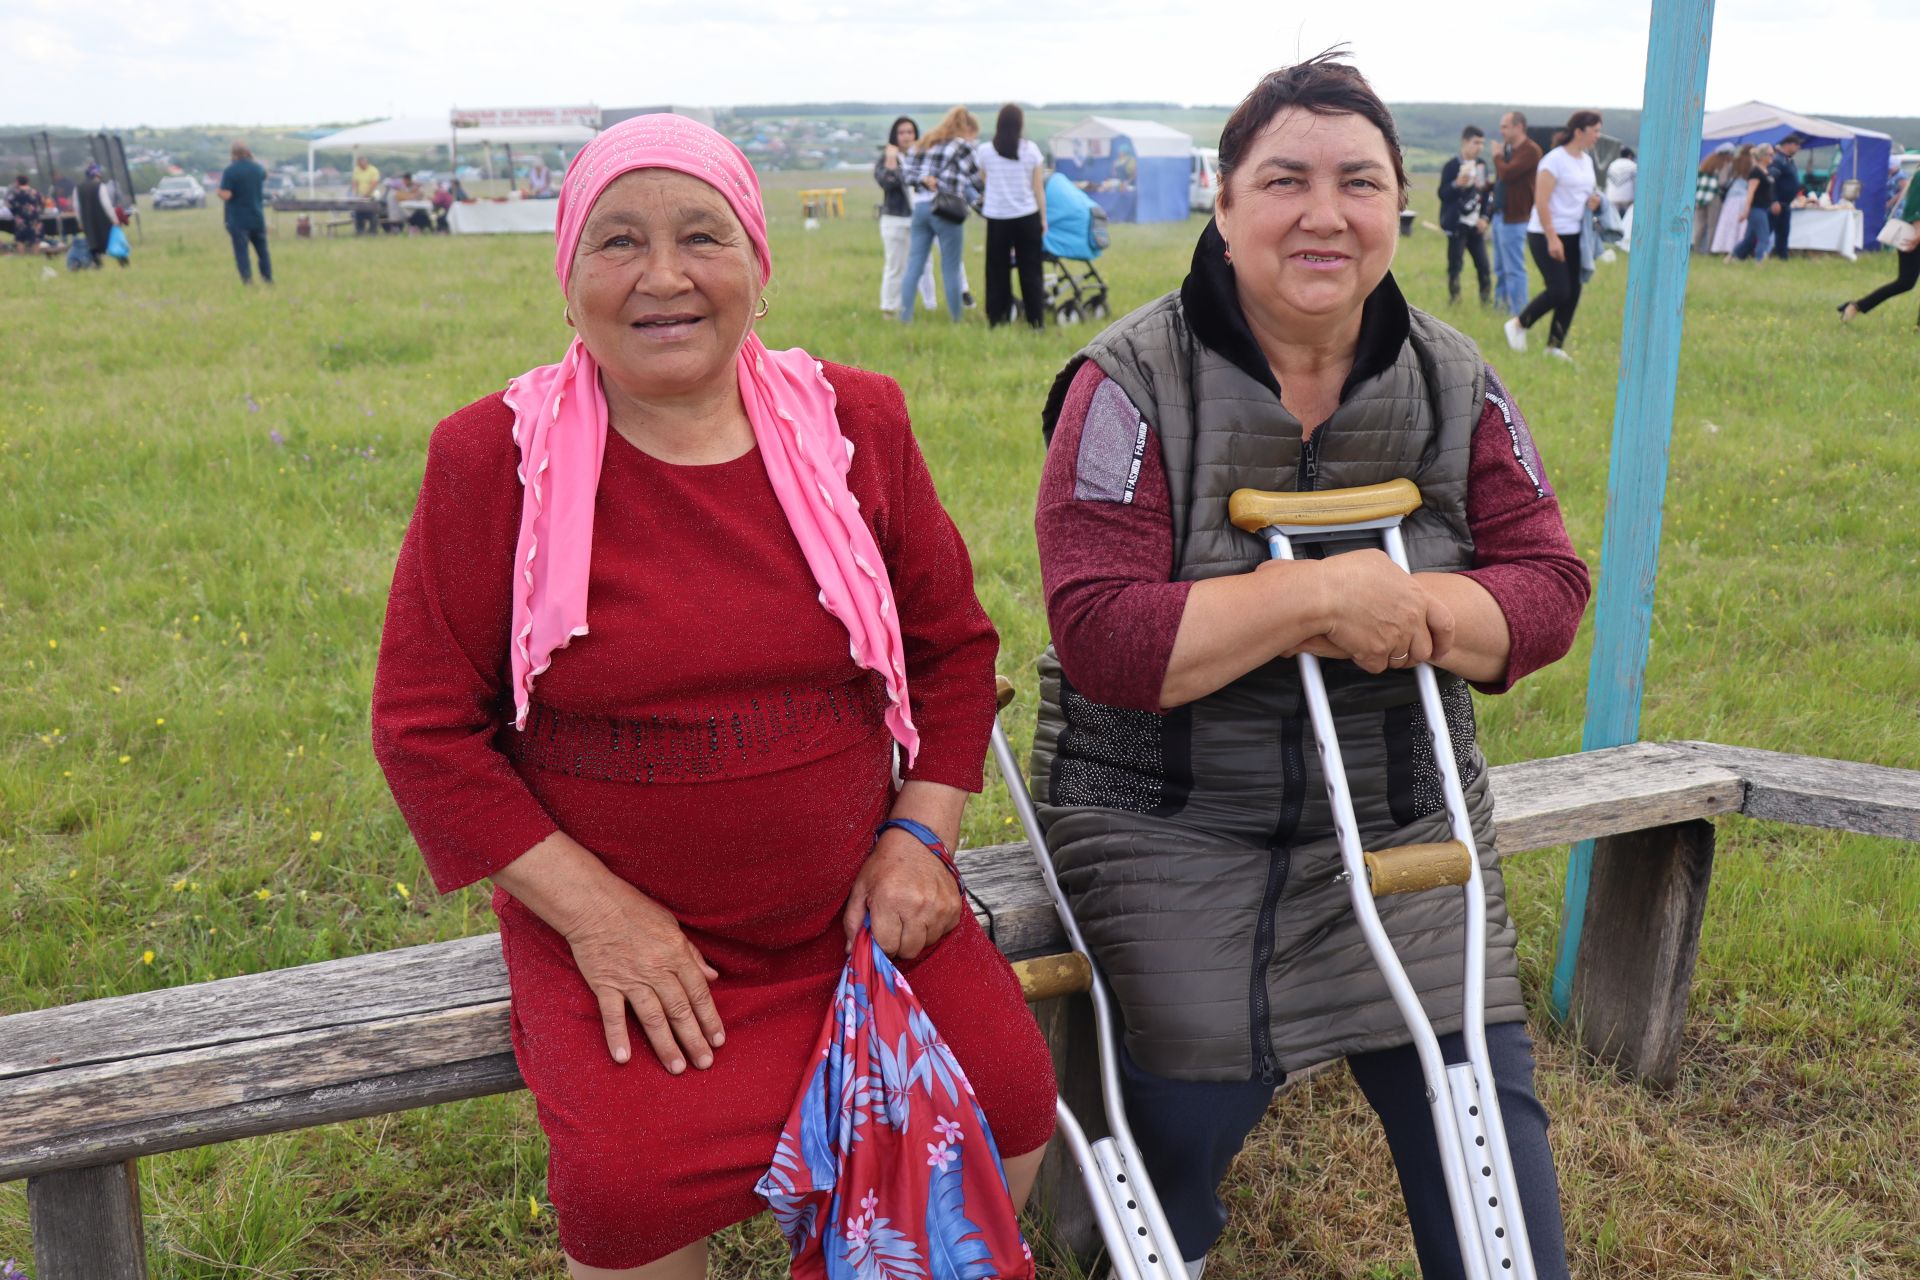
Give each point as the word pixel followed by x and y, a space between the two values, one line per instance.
pixel 1153 1259
pixel 1473 1111
pixel 1131 1204
pixel 1493 1202
pixel 1486 1171
pixel 1479 1141
pixel 1140 1230
pixel 1506 1264
pixel 1499 1233
pixel 1119 1177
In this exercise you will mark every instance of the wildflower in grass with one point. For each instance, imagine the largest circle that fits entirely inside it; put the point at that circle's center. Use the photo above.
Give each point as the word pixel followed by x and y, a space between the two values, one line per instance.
pixel 315 836
pixel 252 405
pixel 179 886
pixel 159 720
pixel 263 894
pixel 53 644
pixel 115 689
pixel 146 957
pixel 277 438
pixel 402 890
pixel 533 1212
pixel 11 1271
pixel 125 759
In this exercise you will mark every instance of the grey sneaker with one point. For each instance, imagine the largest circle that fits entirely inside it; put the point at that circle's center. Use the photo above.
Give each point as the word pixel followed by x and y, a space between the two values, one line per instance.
pixel 1558 354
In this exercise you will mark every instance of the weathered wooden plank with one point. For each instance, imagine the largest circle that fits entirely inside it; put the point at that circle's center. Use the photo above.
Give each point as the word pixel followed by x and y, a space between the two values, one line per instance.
pixel 451 1082
pixel 365 988
pixel 1645 903
pixel 1538 804
pixel 1843 795
pixel 34 1107
pixel 86 1223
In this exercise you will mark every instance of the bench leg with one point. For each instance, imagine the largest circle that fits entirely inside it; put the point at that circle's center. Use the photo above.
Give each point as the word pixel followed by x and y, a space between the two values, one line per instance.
pixel 1059 1196
pixel 1637 950
pixel 86 1224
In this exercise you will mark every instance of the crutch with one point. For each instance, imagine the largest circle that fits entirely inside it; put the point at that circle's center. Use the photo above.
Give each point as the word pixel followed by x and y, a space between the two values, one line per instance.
pixel 1466 1110
pixel 1140 1245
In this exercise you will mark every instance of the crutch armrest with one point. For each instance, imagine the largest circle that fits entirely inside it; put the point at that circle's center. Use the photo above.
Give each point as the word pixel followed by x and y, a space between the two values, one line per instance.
pixel 1044 977
pixel 1256 509
pixel 1414 867
pixel 1002 693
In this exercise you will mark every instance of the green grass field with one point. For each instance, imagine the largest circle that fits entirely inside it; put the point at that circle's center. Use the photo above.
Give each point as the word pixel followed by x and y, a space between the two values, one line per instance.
pixel 205 490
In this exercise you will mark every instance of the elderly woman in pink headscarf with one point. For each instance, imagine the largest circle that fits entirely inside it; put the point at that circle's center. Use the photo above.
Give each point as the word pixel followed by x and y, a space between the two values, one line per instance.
pixel 668 616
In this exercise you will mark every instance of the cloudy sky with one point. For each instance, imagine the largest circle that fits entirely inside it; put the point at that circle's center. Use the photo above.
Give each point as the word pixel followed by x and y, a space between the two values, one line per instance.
pixel 240 61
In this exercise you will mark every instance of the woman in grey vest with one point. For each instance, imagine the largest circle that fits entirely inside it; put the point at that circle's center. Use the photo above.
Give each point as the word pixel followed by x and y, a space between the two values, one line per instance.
pixel 1182 796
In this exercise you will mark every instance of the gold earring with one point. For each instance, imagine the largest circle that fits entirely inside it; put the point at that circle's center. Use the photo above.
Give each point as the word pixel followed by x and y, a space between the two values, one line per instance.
pixel 566 313
pixel 765 306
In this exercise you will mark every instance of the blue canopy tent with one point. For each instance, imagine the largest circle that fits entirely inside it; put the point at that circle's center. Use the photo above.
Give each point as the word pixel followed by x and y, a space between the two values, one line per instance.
pixel 1864 154
pixel 1137 170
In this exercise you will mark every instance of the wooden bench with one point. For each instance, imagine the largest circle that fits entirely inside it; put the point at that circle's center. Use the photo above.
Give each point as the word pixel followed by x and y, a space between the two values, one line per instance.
pixel 87 1089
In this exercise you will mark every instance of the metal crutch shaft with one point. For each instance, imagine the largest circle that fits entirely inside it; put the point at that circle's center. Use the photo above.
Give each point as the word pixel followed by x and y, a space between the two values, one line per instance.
pixel 1112 1168
pixel 1475 1160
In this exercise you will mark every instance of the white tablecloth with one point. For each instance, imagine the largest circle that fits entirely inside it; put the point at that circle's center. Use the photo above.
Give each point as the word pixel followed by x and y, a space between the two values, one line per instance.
pixel 487 217
pixel 1841 231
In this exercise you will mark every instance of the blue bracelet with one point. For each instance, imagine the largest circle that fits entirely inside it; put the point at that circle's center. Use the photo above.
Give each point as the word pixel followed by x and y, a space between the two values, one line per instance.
pixel 925 835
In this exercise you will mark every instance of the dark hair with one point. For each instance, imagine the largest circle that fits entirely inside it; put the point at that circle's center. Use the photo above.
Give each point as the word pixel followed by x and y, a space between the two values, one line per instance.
pixel 1324 84
pixel 1519 117
pixel 20 179
pixel 1575 123
pixel 1626 153
pixel 1007 130
pixel 893 129
pixel 1471 132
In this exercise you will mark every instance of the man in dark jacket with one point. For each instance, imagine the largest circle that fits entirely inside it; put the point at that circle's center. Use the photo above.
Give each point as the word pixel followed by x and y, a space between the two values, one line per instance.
pixel 1786 185
pixel 243 187
pixel 1463 213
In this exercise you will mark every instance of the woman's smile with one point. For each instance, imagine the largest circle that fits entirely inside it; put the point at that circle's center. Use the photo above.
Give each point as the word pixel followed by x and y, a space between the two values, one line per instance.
pixel 668 327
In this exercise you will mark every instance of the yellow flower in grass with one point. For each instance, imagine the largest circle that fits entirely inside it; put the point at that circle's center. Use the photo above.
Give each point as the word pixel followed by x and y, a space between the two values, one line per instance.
pixel 125 759
pixel 403 891
pixel 315 836
pixel 263 894
pixel 146 957
pixel 179 886
pixel 533 1209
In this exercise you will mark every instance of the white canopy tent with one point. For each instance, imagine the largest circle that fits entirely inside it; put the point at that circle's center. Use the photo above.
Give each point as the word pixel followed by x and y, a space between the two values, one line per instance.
pixel 402 132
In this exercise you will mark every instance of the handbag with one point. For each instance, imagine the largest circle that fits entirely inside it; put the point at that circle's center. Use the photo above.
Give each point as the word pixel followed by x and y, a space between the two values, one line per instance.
pixel 117 246
pixel 886 1169
pixel 1895 233
pixel 949 207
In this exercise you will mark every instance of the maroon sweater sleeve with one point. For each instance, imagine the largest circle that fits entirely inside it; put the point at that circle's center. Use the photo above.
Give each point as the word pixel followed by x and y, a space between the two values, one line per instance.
pixel 1104 522
pixel 438 690
pixel 1521 552
pixel 950 642
pixel 1105 532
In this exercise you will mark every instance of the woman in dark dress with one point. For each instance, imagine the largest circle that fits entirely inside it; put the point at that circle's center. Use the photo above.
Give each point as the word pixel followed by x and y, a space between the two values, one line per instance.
pixel 666 615
pixel 96 215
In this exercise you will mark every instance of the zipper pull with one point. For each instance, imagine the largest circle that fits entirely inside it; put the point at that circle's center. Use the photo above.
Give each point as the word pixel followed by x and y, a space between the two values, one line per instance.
pixel 1269 1070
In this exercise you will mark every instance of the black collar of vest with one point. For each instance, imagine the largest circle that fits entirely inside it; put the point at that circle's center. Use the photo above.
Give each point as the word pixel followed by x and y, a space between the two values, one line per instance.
pixel 1212 305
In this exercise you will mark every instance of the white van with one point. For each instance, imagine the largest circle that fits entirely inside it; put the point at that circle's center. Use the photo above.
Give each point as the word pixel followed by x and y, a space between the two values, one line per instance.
pixel 1204 183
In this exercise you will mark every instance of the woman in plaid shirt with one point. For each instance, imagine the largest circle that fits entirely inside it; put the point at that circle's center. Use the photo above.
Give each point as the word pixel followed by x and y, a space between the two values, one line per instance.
pixel 940 162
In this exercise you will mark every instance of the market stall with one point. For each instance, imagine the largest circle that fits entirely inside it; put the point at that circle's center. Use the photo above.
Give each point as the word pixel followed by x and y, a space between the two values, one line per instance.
pixel 1863 156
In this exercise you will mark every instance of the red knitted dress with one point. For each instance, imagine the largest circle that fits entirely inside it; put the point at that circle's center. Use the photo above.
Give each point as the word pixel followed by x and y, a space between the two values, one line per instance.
pixel 713 742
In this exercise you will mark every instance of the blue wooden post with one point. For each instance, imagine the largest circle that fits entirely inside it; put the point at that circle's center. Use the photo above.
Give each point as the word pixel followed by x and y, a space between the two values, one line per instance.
pixel 1678 39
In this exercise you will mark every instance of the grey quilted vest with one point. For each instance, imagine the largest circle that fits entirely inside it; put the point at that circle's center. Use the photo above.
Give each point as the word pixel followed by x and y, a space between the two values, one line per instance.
pixel 1197 845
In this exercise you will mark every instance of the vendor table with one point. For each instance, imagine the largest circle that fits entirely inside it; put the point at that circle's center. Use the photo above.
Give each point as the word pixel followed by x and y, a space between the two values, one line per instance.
pixel 488 217
pixel 1841 231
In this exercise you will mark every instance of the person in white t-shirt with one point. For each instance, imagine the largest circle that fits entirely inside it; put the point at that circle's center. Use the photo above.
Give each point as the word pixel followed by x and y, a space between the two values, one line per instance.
pixel 1015 208
pixel 1564 193
pixel 1621 176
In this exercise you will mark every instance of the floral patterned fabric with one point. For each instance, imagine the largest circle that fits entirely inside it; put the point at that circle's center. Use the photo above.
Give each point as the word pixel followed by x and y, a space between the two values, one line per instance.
pixel 886 1169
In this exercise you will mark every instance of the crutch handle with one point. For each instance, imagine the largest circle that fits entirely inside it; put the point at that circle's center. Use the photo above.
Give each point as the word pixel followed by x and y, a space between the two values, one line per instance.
pixel 1413 867
pixel 1257 509
pixel 1044 977
pixel 1002 692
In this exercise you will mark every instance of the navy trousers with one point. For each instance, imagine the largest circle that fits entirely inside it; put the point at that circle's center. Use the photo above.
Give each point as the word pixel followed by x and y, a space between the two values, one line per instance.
pixel 1189 1132
pixel 257 237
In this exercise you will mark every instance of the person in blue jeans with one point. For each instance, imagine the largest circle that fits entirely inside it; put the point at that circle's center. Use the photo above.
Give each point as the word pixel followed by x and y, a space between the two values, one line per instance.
pixel 1514 164
pixel 243 190
pixel 940 163
pixel 1758 240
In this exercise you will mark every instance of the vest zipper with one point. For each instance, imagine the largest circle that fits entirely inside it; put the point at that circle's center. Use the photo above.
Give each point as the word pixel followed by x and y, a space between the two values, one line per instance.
pixel 1279 860
pixel 1279 851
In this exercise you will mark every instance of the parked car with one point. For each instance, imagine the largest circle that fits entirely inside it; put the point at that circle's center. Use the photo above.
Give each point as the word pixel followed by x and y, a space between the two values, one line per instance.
pixel 179 192
pixel 1204 184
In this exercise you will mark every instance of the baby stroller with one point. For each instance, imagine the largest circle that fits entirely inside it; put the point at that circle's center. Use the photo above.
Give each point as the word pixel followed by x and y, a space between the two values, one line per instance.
pixel 1076 235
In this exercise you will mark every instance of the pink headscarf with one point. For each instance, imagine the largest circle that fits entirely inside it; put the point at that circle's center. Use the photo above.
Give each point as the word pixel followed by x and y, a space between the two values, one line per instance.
pixel 560 424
